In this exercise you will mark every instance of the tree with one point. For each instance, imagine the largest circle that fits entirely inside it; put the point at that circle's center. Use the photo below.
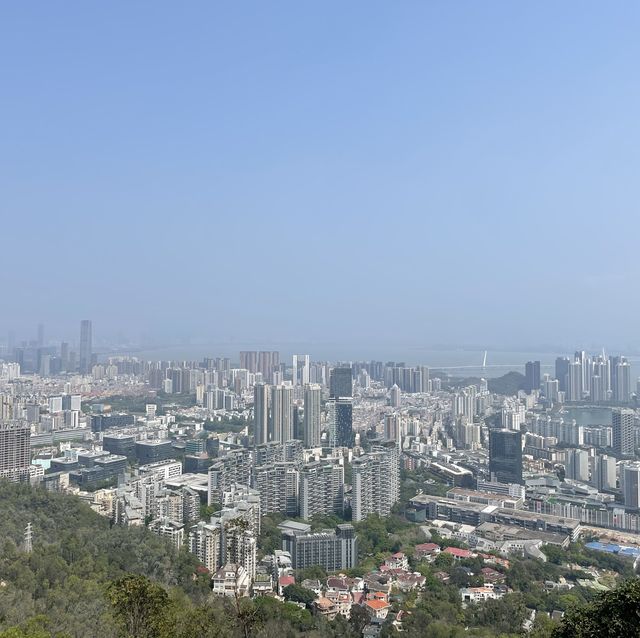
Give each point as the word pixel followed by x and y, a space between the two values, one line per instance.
pixel 358 619
pixel 314 572
pixel 34 628
pixel 613 614
pixel 298 594
pixel 140 606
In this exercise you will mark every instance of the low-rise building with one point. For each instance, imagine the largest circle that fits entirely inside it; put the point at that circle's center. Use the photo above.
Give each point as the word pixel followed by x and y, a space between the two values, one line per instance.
pixel 231 580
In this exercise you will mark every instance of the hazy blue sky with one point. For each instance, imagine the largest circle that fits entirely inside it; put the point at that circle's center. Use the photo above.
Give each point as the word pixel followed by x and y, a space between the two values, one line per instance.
pixel 379 172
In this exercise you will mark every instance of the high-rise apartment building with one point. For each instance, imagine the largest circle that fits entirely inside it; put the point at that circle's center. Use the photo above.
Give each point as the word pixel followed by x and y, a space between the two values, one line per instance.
pixel 249 360
pixel 231 535
pixel 312 410
pixel 268 362
pixel 86 351
pixel 586 367
pixel 234 467
pixel 623 436
pixel 260 413
pixel 321 489
pixel 393 428
pixel 275 452
pixel 15 450
pixel 613 367
pixel 575 386
pixel 577 465
pixel 278 487
pixel 333 550
pixel 550 388
pixel 281 422
pixel 603 476
pixel 300 369
pixel 623 382
pixel 204 543
pixel 376 481
pixel 505 456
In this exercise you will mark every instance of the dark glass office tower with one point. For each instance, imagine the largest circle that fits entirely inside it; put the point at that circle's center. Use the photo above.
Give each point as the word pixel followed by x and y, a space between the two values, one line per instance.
pixel 505 456
pixel 340 421
pixel 340 382
pixel 532 376
pixel 562 370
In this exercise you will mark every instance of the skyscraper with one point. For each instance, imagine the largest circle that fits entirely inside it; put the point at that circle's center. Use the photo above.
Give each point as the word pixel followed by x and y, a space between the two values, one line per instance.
pixel 577 465
pixel 249 360
pixel 281 422
pixel 321 489
pixel 393 428
pixel 631 484
pixel 586 367
pixel 505 456
pixel 312 404
pixel 300 371
pixel 376 481
pixel 532 376
pixel 85 346
pixel 395 396
pixel 550 388
pixel 278 487
pixel 260 413
pixel 603 476
pixel 574 382
pixel 64 356
pixel 15 450
pixel 340 382
pixel 623 384
pixel 340 422
pixel 562 370
pixel 623 436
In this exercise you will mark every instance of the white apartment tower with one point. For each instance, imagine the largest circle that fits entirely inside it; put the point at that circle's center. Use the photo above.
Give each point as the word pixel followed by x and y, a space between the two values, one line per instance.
pixel 376 481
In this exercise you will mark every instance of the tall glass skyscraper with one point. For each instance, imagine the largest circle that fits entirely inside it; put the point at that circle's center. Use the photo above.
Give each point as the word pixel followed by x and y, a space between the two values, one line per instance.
pixel 505 456
pixel 85 346
pixel 340 422
pixel 340 382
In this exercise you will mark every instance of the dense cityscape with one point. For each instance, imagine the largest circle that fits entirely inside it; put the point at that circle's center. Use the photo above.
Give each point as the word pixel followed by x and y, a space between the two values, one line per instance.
pixel 279 476
pixel 318 319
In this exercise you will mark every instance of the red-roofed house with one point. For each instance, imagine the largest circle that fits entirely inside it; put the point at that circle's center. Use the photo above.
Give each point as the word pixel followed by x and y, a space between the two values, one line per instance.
pixel 283 581
pixel 458 553
pixel 377 608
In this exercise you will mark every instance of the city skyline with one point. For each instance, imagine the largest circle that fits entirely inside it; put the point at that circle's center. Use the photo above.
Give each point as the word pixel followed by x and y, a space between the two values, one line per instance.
pixel 307 320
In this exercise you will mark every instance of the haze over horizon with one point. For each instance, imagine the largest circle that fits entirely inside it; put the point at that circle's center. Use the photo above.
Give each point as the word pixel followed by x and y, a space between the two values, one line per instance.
pixel 412 174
